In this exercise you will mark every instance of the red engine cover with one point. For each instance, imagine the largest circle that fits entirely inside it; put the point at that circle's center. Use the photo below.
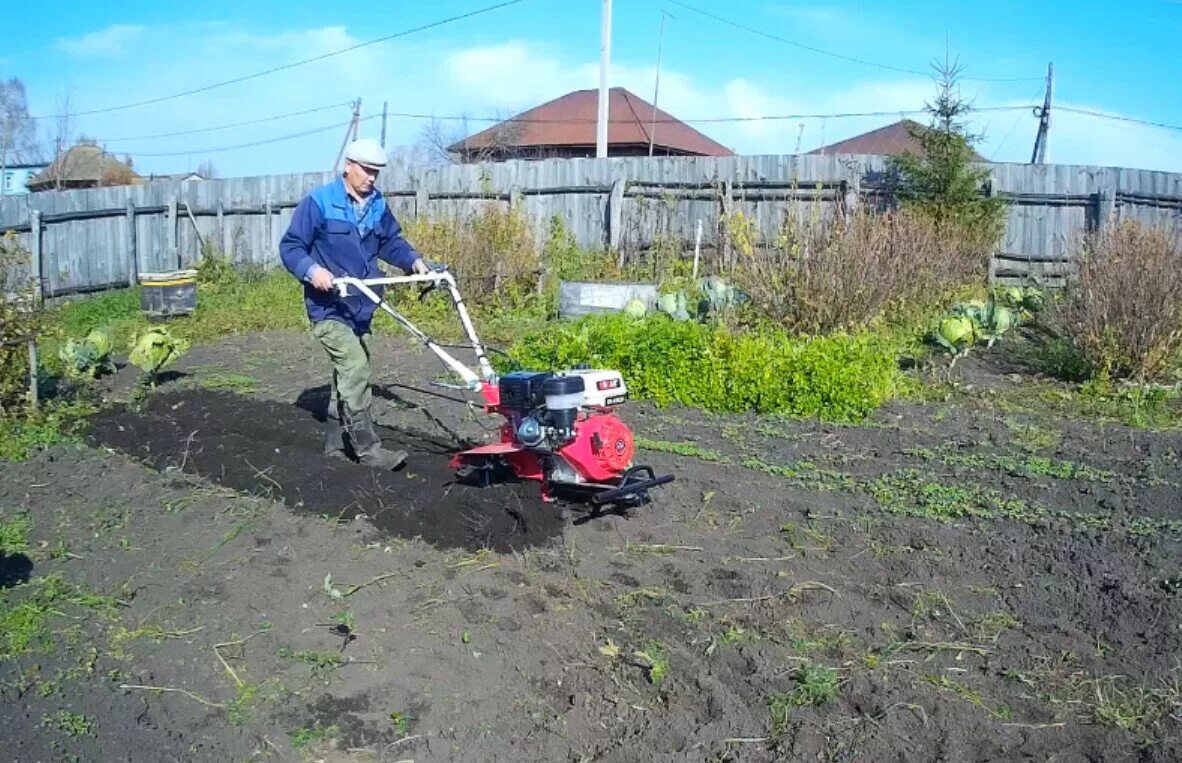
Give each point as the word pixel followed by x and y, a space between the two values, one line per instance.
pixel 602 448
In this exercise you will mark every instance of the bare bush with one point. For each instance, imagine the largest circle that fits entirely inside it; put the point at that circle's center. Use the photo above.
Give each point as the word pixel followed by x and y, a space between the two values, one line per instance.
pixel 494 251
pixel 1123 308
pixel 821 276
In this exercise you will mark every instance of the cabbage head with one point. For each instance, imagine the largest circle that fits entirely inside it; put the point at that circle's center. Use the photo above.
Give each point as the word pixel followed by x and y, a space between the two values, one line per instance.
pixel 156 349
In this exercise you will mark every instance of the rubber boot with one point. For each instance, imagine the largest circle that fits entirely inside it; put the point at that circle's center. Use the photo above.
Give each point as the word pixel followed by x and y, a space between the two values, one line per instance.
pixel 334 440
pixel 368 446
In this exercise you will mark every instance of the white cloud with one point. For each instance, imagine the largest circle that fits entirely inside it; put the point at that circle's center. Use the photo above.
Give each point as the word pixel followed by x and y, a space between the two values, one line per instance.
pixel 499 80
pixel 111 41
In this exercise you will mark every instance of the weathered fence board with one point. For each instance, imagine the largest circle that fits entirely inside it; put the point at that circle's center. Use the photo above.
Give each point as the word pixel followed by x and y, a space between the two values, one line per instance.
pixel 88 243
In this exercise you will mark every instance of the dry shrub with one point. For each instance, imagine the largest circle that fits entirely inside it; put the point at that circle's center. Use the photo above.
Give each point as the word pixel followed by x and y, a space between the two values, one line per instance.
pixel 493 252
pixel 1123 308
pixel 841 274
pixel 20 316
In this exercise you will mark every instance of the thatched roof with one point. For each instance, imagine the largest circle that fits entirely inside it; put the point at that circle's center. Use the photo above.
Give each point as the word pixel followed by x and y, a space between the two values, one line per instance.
pixel 84 166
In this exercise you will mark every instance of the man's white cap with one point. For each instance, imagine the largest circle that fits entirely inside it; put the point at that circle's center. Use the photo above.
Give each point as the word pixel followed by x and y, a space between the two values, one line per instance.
pixel 366 152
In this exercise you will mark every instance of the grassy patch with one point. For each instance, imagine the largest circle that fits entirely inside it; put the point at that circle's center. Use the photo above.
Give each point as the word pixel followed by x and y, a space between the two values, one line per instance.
pixel 26 612
pixel 14 533
pixel 25 432
pixel 687 449
pixel 909 493
pixel 1032 437
pixel 235 382
pixel 1025 465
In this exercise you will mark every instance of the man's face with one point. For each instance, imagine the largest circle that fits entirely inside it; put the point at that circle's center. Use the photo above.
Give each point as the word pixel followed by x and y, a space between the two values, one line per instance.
pixel 359 178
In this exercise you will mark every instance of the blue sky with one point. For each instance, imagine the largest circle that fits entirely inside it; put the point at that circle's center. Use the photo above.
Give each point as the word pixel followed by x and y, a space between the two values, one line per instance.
pixel 1117 58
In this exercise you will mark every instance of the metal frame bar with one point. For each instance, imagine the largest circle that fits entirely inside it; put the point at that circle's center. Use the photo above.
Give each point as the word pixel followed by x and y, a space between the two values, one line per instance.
pixel 436 278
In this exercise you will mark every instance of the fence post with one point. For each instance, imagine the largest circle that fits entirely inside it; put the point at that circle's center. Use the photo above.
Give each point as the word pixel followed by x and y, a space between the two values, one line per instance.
pixel 1106 200
pixel 221 223
pixel 35 225
pixel 727 200
pixel 133 263
pixel 615 218
pixel 853 189
pixel 515 197
pixel 421 198
pixel 172 231
pixel 33 373
pixel 270 233
pixel 224 231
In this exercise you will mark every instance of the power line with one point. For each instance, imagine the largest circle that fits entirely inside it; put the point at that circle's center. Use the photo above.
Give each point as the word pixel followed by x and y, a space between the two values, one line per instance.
pixel 227 126
pixel 284 67
pixel 830 53
pixel 702 120
pixel 1118 118
pixel 662 120
pixel 278 139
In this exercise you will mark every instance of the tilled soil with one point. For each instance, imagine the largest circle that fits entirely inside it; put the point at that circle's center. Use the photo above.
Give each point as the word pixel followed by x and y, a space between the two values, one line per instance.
pixel 962 581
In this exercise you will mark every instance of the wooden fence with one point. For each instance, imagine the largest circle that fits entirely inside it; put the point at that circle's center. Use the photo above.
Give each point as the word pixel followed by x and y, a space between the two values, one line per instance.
pixel 96 239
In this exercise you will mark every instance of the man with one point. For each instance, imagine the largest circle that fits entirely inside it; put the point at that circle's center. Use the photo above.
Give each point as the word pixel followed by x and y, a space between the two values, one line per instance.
pixel 342 229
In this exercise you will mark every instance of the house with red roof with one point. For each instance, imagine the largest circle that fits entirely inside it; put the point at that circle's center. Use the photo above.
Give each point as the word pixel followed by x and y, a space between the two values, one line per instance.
pixel 566 128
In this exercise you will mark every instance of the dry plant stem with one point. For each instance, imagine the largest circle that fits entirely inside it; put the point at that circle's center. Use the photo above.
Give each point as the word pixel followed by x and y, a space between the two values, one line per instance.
pixel 187 693
pixel 225 664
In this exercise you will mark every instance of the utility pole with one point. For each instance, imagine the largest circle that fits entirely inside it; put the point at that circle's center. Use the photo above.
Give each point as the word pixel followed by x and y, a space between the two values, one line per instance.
pixel 605 55
pixel 1044 120
pixel 384 106
pixel 652 131
pixel 351 129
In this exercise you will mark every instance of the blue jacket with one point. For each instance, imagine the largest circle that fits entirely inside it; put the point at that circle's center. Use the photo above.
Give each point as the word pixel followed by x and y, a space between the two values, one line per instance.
pixel 325 230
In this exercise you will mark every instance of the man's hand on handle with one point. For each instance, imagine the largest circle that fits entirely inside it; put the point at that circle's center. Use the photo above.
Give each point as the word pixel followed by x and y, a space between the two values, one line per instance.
pixel 320 278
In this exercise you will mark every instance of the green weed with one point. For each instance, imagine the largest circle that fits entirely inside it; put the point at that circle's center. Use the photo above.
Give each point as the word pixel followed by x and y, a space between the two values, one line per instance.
pixel 656 660
pixel 317 734
pixel 14 533
pixel 71 724
pixel 321 663
pixel 816 685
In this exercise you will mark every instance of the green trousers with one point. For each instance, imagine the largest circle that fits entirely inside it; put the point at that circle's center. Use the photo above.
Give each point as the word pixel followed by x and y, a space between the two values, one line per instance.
pixel 349 355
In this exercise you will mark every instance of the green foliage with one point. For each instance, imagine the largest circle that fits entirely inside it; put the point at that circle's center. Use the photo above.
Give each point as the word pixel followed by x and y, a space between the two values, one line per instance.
pixel 941 181
pixel 841 377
